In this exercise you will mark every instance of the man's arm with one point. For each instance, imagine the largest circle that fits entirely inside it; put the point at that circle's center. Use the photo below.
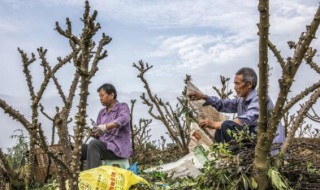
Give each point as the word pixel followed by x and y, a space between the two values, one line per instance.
pixel 251 115
pixel 227 105
pixel 215 124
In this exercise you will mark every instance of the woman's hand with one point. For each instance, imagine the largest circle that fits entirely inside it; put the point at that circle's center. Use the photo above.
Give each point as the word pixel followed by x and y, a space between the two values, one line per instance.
pixel 98 131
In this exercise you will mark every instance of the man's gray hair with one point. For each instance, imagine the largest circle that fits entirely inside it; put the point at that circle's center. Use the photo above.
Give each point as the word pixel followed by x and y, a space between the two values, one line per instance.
pixel 249 75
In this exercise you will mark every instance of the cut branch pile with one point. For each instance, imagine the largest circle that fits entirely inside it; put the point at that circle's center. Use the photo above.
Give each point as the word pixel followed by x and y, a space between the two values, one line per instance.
pixel 302 164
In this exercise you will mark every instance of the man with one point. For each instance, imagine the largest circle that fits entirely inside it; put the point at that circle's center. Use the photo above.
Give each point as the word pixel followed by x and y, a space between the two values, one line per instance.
pixel 246 106
pixel 112 132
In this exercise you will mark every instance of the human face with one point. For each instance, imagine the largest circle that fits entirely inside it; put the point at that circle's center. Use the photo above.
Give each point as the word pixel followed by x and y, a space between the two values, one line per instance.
pixel 106 99
pixel 243 89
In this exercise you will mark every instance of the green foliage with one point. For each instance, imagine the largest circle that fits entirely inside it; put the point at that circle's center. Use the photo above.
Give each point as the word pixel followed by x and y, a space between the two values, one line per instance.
pixel 278 181
pixel 52 185
pixel 311 169
pixel 243 136
pixel 17 155
pixel 225 171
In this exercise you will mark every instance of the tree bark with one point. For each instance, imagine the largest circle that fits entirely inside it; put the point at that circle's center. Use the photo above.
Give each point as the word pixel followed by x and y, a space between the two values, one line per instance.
pixel 260 165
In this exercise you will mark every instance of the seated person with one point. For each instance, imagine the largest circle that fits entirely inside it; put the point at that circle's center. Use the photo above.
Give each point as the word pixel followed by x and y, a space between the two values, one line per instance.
pixel 112 132
pixel 246 105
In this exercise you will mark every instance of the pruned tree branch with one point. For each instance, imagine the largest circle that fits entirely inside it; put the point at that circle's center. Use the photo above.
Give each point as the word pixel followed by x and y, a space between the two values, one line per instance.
pixel 15 114
pixel 309 59
pixel 314 116
pixel 277 54
pixel 300 96
pixel 301 114
pixel 26 62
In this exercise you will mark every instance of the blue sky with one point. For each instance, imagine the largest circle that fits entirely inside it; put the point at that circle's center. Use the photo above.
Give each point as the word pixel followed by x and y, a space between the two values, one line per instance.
pixel 203 38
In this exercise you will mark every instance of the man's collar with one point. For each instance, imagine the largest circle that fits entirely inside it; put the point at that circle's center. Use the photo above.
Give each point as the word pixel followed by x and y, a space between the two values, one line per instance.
pixel 251 94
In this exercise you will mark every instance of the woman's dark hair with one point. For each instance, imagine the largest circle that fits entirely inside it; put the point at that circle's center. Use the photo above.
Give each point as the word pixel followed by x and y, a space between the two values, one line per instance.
pixel 249 75
pixel 109 89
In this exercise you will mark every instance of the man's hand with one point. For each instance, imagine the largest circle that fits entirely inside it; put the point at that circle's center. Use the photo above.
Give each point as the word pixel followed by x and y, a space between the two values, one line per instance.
pixel 207 123
pixel 193 95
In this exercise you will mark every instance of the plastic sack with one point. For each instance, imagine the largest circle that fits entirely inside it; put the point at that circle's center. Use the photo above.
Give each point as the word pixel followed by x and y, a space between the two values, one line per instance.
pixel 184 167
pixel 198 136
pixel 134 168
pixel 108 177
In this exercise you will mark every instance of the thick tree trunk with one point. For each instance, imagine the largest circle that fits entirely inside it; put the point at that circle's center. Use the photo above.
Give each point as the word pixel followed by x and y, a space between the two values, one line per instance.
pixel 80 124
pixel 260 165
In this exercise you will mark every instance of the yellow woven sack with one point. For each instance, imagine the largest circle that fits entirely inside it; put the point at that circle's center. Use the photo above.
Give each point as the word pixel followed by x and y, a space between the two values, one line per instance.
pixel 108 178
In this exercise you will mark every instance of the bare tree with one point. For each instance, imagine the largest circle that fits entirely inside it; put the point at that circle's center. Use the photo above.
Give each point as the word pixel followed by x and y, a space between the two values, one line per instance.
pixel 85 56
pixel 268 121
pixel 177 127
pixel 141 132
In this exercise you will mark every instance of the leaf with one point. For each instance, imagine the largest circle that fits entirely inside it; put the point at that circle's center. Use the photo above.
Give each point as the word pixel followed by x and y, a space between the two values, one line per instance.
pixel 245 182
pixel 276 179
pixel 253 184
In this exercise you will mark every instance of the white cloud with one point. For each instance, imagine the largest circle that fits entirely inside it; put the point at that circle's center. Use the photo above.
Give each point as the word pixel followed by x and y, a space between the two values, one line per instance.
pixel 289 19
pixel 181 13
pixel 9 26
pixel 195 51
